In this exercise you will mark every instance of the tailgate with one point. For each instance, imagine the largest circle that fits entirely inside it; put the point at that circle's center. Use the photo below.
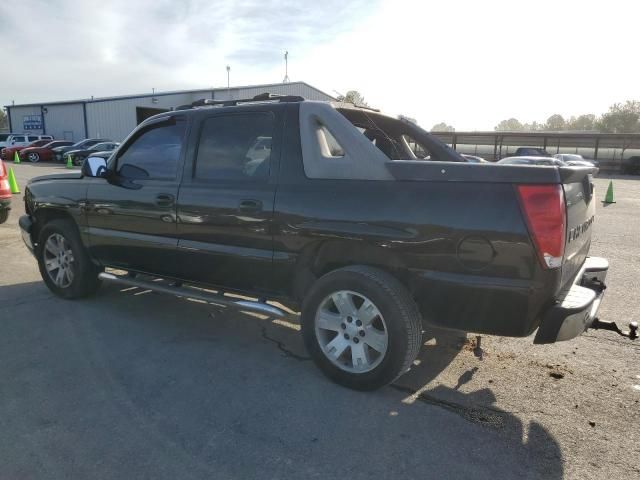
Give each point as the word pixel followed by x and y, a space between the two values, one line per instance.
pixel 581 207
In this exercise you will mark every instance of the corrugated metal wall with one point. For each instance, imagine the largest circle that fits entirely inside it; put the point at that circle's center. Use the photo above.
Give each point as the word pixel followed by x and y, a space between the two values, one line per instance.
pixel 295 88
pixel 17 118
pixel 115 119
pixel 65 122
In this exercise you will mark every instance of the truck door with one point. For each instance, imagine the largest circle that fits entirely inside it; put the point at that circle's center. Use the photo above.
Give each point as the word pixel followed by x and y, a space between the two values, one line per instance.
pixel 225 204
pixel 132 217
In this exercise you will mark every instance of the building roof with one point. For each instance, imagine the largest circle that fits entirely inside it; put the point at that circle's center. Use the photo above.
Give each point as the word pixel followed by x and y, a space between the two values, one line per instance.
pixel 161 94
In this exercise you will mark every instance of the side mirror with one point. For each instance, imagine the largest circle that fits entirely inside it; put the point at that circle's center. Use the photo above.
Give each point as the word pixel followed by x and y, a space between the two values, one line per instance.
pixel 94 167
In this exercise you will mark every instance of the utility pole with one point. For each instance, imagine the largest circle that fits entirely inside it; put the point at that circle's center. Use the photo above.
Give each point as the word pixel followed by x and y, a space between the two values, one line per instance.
pixel 228 70
pixel 286 67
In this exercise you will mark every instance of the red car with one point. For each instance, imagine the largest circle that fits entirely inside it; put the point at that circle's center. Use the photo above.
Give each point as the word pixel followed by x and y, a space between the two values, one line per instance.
pixel 8 153
pixel 35 153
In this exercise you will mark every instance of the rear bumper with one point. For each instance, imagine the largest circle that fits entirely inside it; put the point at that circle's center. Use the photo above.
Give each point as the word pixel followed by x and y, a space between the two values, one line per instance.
pixel 26 224
pixel 577 305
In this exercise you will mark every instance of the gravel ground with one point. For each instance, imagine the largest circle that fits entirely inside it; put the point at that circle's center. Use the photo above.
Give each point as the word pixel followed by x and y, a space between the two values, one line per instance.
pixel 134 385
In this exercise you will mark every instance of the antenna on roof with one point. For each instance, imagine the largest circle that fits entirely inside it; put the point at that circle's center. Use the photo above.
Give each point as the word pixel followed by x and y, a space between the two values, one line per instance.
pixel 286 67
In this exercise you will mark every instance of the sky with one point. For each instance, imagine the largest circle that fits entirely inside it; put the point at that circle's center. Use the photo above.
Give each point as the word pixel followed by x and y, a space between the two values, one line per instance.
pixel 470 64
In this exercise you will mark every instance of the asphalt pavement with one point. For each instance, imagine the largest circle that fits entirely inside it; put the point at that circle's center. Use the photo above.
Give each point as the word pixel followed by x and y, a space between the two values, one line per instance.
pixel 132 384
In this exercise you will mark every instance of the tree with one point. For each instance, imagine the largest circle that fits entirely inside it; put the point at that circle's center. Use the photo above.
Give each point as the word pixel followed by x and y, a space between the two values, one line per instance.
pixel 582 123
pixel 555 122
pixel 621 118
pixel 533 126
pixel 511 125
pixel 442 127
pixel 4 121
pixel 353 96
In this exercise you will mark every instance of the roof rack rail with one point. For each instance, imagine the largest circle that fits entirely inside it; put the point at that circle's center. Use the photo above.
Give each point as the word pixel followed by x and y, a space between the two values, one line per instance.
pixel 262 97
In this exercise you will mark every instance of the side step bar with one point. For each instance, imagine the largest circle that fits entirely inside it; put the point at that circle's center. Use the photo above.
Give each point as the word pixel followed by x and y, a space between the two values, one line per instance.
pixel 188 292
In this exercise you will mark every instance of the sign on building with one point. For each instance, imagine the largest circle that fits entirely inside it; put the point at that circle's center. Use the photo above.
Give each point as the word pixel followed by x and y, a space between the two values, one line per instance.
pixel 32 122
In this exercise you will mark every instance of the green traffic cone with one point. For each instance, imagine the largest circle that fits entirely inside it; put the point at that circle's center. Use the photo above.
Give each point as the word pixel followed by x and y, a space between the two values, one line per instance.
pixel 69 161
pixel 608 198
pixel 16 157
pixel 13 183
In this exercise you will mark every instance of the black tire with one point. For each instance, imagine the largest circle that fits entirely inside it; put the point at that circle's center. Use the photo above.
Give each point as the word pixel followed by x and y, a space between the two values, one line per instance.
pixel 77 161
pixel 33 157
pixel 85 273
pixel 402 319
pixel 4 215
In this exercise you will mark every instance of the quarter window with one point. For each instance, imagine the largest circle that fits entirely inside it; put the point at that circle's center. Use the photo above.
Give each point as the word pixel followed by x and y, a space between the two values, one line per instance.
pixel 155 152
pixel 235 147
pixel 329 146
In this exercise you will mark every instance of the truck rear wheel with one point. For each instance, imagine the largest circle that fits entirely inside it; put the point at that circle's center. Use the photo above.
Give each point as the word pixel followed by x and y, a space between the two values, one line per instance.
pixel 64 263
pixel 361 327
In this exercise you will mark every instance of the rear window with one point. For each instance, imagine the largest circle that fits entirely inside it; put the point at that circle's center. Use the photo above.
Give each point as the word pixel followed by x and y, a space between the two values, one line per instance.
pixel 235 147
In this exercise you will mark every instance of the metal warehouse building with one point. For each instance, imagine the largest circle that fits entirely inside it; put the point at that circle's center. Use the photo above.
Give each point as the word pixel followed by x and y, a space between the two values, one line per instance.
pixel 115 117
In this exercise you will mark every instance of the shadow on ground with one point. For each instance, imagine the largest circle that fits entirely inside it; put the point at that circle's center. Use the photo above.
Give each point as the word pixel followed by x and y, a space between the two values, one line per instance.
pixel 130 384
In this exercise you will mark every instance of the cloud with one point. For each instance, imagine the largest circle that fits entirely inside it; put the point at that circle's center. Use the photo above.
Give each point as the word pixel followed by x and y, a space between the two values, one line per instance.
pixel 64 49
pixel 465 62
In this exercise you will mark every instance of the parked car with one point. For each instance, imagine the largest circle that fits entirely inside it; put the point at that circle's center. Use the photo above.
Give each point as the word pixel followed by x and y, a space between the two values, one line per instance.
pixel 5 193
pixel 44 152
pixel 576 160
pixel 58 152
pixel 631 166
pixel 539 161
pixel 104 155
pixel 365 239
pixel 78 156
pixel 473 158
pixel 23 139
pixel 4 137
pixel 530 152
pixel 7 153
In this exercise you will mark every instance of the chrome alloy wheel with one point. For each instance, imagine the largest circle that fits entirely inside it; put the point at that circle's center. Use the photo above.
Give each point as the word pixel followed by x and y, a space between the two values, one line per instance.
pixel 351 331
pixel 58 260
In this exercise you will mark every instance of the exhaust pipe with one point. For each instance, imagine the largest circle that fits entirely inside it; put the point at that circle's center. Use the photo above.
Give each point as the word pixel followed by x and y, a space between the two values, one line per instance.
pixel 188 292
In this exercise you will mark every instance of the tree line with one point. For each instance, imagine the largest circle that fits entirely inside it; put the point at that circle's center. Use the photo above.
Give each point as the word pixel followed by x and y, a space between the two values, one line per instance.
pixel 621 118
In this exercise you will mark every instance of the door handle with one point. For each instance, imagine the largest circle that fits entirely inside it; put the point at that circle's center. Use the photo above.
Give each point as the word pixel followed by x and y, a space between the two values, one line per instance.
pixel 250 206
pixel 164 200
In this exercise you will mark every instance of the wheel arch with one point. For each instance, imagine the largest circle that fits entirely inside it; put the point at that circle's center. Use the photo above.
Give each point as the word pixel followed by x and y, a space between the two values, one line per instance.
pixel 323 257
pixel 44 215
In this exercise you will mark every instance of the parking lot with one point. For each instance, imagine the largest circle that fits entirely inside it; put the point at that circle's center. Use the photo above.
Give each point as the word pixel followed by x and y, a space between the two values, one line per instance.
pixel 131 384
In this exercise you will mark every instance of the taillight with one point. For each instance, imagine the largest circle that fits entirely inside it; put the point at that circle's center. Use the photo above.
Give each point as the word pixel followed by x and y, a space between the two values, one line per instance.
pixel 544 211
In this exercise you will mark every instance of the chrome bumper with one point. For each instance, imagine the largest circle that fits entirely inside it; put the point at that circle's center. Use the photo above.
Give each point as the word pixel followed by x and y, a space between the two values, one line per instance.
pixel 577 305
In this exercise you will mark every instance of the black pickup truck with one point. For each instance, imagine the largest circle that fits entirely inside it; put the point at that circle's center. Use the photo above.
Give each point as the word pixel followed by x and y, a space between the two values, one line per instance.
pixel 325 209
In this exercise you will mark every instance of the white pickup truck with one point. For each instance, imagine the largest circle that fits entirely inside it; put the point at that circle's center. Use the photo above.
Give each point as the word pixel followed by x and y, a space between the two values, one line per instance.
pixel 23 139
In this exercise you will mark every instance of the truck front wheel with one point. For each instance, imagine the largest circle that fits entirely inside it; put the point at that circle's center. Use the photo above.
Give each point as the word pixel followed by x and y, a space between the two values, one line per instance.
pixel 361 327
pixel 64 263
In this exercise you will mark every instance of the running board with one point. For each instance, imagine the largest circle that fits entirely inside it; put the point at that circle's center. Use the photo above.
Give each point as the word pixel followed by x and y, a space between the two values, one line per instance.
pixel 188 292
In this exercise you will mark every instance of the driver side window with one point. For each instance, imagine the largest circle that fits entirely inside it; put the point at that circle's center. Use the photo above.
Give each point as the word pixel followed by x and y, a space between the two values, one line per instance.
pixel 155 152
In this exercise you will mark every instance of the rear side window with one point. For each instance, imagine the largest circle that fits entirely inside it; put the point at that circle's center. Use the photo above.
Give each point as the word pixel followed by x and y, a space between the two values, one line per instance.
pixel 18 139
pixel 235 147
pixel 154 153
